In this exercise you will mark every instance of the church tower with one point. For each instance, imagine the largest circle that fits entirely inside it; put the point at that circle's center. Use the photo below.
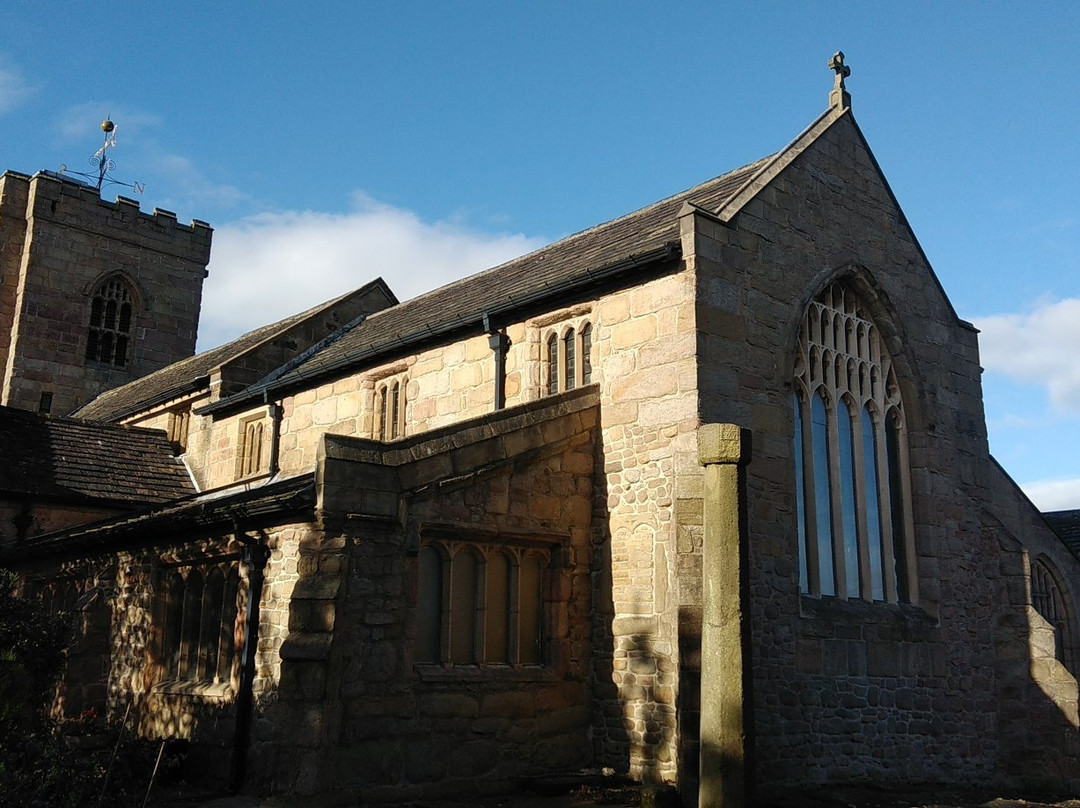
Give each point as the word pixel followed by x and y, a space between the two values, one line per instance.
pixel 93 294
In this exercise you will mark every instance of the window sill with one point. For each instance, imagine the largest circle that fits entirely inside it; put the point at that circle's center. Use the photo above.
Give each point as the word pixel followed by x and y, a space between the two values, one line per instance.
pixel 903 615
pixel 433 672
pixel 201 689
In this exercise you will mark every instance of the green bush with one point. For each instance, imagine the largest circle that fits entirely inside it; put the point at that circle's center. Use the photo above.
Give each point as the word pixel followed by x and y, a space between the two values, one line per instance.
pixel 44 763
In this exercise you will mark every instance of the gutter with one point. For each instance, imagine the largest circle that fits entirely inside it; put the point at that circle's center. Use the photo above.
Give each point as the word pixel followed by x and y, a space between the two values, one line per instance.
pixel 670 251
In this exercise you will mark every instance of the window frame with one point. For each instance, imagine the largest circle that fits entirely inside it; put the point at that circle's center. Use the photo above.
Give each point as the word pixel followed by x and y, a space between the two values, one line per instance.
pixel 251 435
pixel 188 621
pixel 853 491
pixel 525 648
pixel 389 408
pixel 567 361
pixel 105 328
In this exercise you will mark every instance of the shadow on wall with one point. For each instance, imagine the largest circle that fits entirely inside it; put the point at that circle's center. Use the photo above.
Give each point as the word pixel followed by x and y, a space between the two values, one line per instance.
pixel 1036 673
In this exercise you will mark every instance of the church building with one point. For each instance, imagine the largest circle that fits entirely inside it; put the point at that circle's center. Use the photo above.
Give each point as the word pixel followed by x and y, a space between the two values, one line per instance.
pixel 702 494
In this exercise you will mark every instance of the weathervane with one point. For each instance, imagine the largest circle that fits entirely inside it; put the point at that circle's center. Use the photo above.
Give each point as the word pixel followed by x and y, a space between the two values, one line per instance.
pixel 104 163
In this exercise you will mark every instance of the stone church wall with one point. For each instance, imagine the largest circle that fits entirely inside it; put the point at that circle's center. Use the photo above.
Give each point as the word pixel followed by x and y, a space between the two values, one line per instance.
pixel 852 690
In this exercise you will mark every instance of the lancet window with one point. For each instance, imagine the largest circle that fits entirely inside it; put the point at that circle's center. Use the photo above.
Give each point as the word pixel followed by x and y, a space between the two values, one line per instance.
pixel 850 448
pixel 250 460
pixel 197 612
pixel 568 359
pixel 480 604
pixel 390 409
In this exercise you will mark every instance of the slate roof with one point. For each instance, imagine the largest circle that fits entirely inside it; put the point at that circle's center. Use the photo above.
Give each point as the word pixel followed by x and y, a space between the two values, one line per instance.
pixel 53 458
pixel 185 519
pixel 192 374
pixel 1067 525
pixel 463 303
pixel 576 258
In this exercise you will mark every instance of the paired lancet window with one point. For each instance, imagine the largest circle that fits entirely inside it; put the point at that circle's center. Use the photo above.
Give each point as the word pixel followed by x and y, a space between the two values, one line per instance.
pixel 390 409
pixel 851 471
pixel 480 604
pixel 197 609
pixel 568 359
pixel 249 458
pixel 111 312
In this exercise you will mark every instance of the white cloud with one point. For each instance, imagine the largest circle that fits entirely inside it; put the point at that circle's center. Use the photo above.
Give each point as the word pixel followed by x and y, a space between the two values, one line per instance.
pixel 79 123
pixel 271 265
pixel 14 87
pixel 1054 495
pixel 1040 347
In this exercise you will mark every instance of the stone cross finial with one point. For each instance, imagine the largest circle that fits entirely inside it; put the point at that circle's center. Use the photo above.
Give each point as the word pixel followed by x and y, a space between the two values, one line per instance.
pixel 839 97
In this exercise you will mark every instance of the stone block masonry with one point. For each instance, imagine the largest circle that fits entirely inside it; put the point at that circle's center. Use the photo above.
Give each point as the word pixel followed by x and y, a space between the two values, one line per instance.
pixel 61 242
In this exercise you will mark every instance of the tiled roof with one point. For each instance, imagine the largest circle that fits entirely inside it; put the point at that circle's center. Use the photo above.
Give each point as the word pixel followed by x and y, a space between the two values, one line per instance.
pixel 1067 525
pixel 192 373
pixel 184 519
pixel 464 302
pixel 65 459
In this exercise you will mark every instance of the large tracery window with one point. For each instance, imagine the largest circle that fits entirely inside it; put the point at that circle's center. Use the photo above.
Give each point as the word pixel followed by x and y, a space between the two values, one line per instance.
pixel 111 311
pixel 852 490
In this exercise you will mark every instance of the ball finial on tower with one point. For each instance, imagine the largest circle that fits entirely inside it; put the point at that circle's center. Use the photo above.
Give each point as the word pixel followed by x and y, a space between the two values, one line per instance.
pixel 107 126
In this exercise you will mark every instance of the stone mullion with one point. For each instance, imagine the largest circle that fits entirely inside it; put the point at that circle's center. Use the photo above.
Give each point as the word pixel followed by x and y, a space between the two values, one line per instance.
pixel 888 556
pixel 866 588
pixel 836 495
pixel 904 473
pixel 445 611
pixel 513 607
pixel 810 545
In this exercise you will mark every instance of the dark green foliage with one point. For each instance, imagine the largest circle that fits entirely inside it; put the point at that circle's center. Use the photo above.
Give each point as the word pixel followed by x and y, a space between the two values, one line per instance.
pixel 46 763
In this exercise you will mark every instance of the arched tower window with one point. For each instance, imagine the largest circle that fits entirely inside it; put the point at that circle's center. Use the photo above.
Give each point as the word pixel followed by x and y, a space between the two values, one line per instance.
pixel 112 309
pixel 852 488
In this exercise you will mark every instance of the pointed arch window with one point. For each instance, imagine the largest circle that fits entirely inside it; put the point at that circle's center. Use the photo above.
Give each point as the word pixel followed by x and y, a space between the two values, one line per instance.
pixel 112 309
pixel 390 408
pixel 853 497
pixel 568 359
pixel 479 604
pixel 196 623
pixel 1049 602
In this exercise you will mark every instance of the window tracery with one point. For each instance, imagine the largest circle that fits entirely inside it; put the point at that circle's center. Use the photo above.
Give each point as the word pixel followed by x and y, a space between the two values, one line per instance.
pixel 111 314
pixel 1049 601
pixel 852 489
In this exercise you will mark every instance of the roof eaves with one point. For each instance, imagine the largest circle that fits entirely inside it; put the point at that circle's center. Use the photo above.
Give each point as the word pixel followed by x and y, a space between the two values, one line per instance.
pixel 778 162
pixel 481 318
pixel 163 523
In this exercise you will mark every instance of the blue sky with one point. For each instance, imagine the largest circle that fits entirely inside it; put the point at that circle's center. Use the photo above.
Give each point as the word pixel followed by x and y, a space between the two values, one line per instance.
pixel 332 142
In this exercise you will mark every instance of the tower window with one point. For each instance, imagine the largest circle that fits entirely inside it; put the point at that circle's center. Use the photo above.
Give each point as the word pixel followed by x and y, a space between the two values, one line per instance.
pixel 111 311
